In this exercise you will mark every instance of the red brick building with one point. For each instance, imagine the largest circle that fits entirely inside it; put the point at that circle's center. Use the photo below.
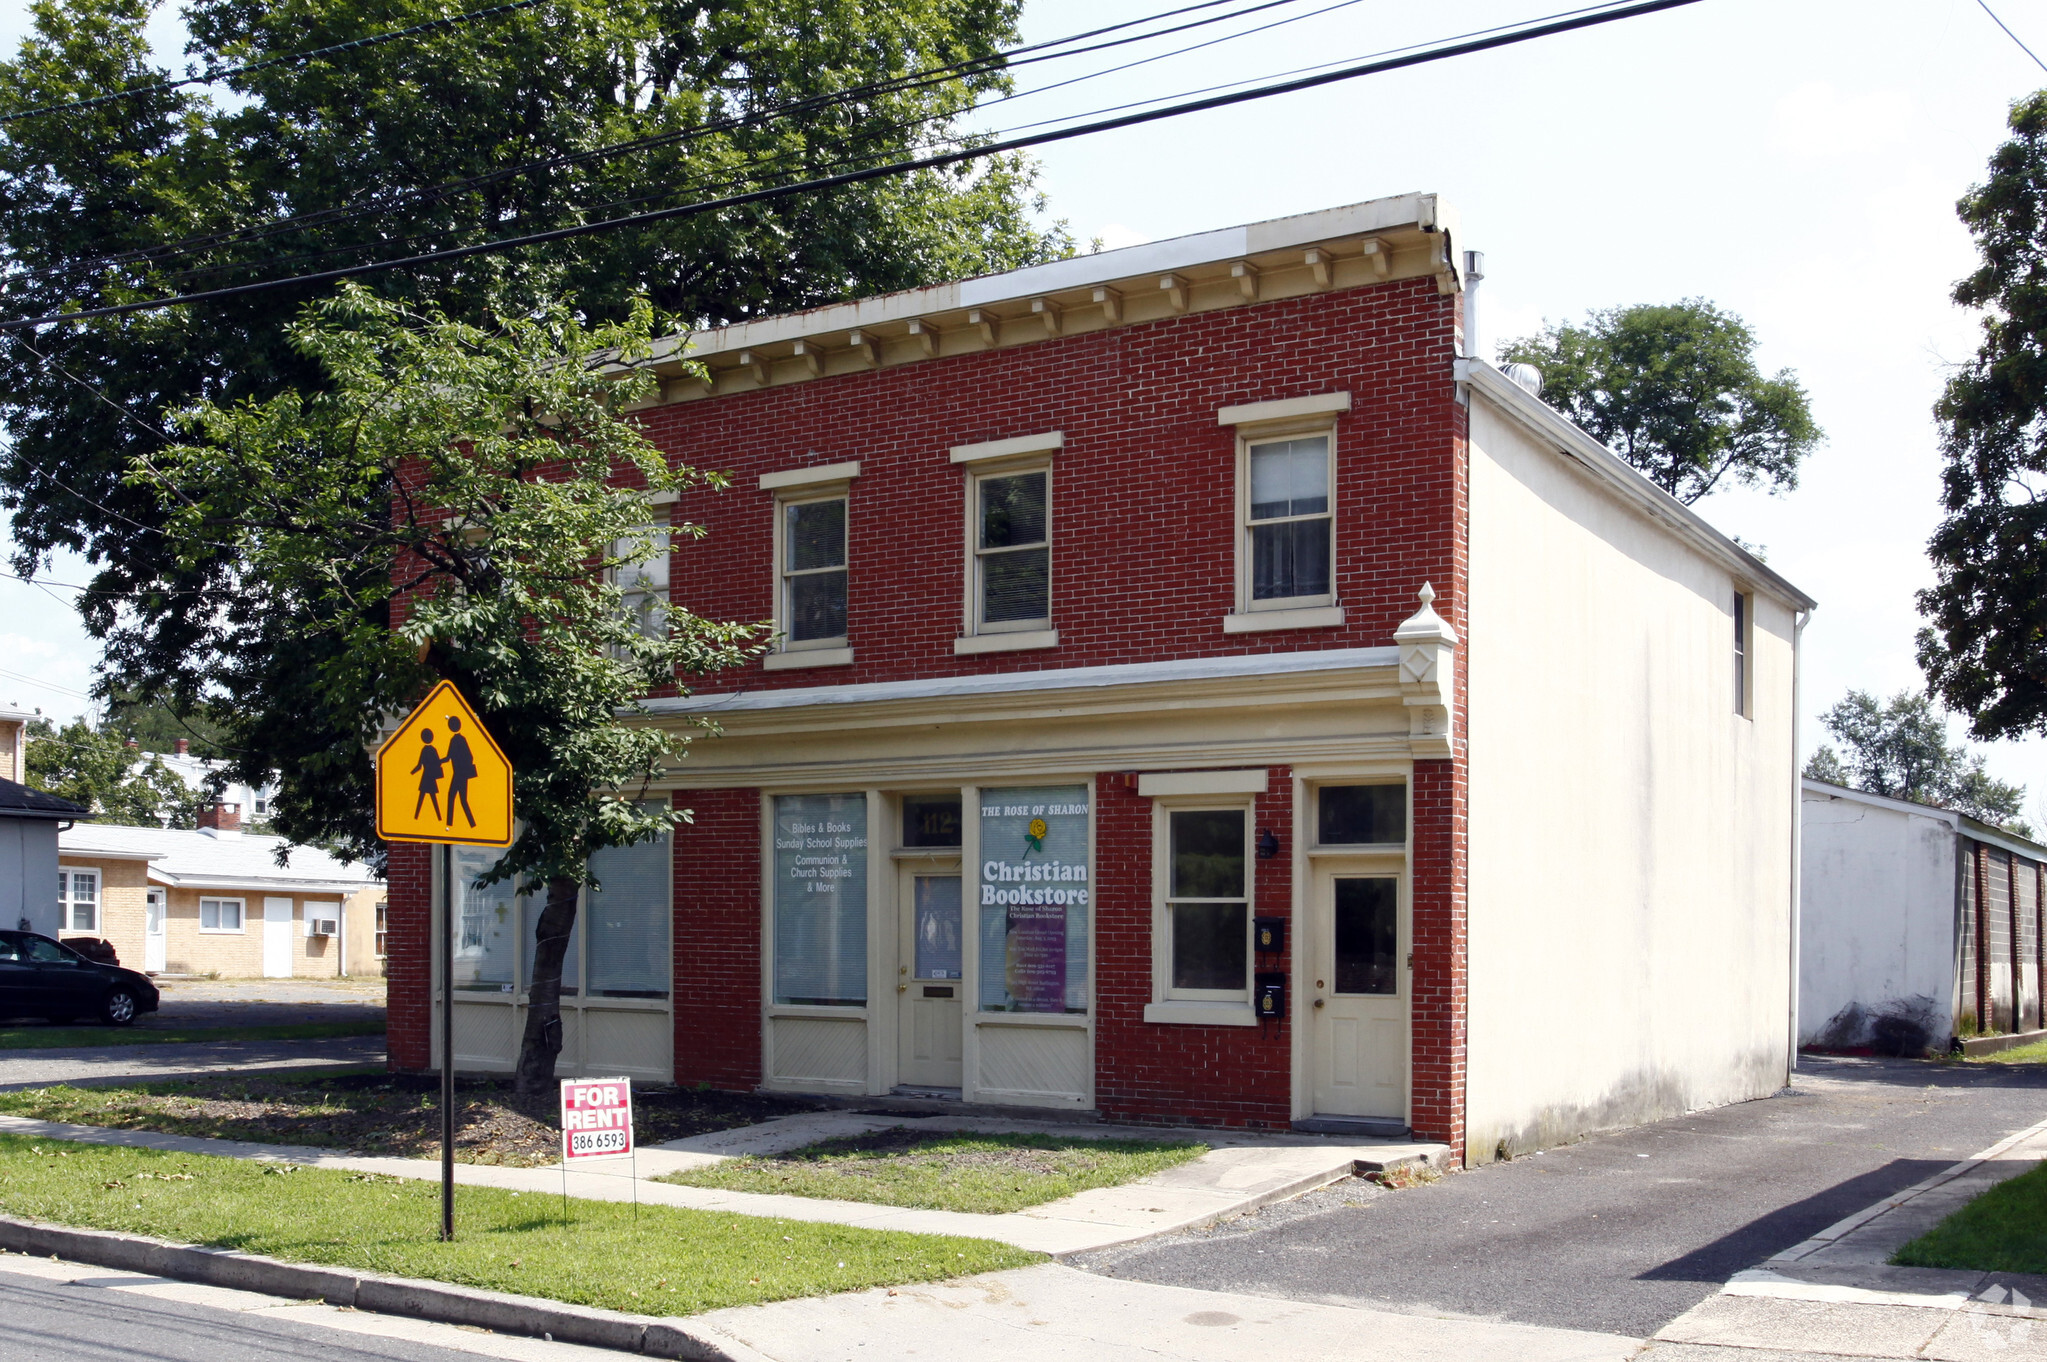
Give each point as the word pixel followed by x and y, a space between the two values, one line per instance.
pixel 1200 695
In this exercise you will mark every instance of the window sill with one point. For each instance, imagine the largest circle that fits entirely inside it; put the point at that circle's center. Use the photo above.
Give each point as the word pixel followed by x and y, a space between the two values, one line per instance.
pixel 1022 640
pixel 1200 1014
pixel 222 931
pixel 1258 621
pixel 1074 1021
pixel 808 657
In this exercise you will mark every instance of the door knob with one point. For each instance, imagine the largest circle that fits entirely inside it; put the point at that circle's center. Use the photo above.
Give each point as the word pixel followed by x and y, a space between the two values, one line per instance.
pixel 1320 1001
pixel 902 988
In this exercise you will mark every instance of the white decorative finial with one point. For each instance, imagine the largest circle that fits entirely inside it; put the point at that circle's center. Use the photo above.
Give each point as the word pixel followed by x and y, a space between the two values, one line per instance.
pixel 1428 595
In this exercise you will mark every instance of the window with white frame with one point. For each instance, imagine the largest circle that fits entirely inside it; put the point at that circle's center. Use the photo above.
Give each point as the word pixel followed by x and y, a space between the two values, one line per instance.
pixel 643 585
pixel 381 946
pixel 1207 909
pixel 78 899
pixel 1288 527
pixel 1012 548
pixel 220 915
pixel 812 570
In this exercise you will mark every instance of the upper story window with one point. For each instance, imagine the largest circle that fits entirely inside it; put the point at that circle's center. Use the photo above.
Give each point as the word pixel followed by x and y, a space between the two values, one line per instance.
pixel 644 585
pixel 812 571
pixel 1013 551
pixel 1744 639
pixel 78 897
pixel 1287 521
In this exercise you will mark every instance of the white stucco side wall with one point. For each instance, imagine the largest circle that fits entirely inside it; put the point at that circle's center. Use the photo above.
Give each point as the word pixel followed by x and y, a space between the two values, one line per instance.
pixel 1630 883
pixel 1877 934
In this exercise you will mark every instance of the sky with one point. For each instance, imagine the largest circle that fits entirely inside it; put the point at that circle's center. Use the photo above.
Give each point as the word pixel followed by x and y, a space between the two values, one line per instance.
pixel 1796 162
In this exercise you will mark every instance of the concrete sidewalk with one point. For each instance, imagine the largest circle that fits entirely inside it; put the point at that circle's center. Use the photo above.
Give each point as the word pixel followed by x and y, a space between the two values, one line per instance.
pixel 1230 1180
pixel 1835 1295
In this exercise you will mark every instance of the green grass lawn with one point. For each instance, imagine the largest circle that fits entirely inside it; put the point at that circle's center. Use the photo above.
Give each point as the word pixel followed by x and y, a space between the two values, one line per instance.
pixel 93 1037
pixel 667 1262
pixel 989 1174
pixel 2003 1230
pixel 2036 1053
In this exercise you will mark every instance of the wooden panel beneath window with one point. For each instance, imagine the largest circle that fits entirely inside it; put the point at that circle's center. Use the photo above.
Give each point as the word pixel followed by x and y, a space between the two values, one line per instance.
pixel 1034 1065
pixel 816 1051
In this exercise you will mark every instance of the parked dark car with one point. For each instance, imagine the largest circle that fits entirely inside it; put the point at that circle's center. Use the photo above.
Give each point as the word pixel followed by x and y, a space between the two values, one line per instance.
pixel 43 978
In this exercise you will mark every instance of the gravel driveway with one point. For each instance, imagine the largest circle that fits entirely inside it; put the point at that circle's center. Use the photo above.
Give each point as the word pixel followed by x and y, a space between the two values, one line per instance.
pixel 1620 1233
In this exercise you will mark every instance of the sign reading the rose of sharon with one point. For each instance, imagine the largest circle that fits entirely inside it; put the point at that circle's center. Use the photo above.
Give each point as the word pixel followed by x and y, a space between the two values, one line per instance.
pixel 597 1119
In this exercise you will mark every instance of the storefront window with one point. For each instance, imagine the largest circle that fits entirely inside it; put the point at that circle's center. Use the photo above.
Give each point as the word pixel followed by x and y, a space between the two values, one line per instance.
pixel 821 899
pixel 487 918
pixel 1033 892
pixel 627 918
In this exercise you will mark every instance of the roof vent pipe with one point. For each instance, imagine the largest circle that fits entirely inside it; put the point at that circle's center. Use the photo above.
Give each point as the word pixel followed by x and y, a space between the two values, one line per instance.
pixel 1474 271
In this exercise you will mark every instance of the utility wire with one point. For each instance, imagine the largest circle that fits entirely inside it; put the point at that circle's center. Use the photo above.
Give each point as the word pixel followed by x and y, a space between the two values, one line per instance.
pixel 2011 35
pixel 939 160
pixel 751 170
pixel 916 80
pixel 214 75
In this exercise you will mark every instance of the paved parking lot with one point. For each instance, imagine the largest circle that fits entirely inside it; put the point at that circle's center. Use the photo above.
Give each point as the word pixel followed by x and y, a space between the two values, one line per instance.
pixel 1619 1233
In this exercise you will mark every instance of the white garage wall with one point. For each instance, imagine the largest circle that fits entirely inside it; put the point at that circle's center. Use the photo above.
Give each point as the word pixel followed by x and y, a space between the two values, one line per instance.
pixel 1630 852
pixel 1877 935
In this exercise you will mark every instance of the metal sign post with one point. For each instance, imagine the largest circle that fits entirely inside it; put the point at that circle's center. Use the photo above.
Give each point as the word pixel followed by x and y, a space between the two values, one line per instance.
pixel 442 780
pixel 448 1043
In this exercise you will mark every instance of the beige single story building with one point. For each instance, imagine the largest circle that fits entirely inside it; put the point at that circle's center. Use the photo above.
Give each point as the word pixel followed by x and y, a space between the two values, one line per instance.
pixel 216 901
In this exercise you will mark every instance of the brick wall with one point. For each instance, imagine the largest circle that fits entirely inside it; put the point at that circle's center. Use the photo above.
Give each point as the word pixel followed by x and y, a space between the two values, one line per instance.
pixel 718 940
pixel 1143 492
pixel 409 962
pixel 1144 1071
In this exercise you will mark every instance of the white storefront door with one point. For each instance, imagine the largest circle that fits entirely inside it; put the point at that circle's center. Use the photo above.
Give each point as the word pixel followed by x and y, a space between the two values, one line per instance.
pixel 153 932
pixel 1358 994
pixel 276 938
pixel 929 975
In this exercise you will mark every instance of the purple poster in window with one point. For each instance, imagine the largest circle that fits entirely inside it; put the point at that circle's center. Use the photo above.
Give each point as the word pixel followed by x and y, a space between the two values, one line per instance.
pixel 1035 972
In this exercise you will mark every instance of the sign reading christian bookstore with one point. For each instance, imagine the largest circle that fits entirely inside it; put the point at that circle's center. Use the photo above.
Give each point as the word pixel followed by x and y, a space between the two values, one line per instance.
pixel 1034 896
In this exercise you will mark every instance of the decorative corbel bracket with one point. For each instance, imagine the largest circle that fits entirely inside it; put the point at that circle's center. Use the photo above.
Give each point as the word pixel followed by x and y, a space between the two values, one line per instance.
pixel 1428 679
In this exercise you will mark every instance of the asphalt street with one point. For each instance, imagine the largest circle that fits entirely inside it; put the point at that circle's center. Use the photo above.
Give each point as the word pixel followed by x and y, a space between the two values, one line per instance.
pixel 1620 1233
pixel 154 1063
pixel 73 1313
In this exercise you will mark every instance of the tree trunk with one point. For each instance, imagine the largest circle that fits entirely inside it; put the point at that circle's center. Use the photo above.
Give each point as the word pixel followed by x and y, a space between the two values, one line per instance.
pixel 542 1043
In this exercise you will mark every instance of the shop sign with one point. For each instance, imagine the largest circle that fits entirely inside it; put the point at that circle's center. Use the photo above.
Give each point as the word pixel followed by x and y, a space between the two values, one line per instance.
pixel 597 1119
pixel 1033 898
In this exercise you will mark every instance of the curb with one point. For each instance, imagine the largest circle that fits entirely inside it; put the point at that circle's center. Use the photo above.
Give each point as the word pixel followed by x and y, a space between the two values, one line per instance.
pixel 1993 1045
pixel 441 1302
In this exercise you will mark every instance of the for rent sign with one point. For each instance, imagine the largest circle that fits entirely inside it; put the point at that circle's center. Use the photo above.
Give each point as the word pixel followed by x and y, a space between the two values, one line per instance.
pixel 597 1119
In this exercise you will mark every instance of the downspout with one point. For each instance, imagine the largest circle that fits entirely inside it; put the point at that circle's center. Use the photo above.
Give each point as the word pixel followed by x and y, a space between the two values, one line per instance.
pixel 1799 621
pixel 341 937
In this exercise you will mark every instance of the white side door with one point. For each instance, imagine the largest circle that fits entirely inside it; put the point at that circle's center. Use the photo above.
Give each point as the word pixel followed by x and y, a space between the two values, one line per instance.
pixel 929 1015
pixel 153 932
pixel 1358 1004
pixel 277 938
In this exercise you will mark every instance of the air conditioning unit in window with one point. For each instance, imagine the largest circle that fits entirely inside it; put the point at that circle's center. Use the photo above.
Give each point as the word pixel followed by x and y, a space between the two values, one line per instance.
pixel 322 926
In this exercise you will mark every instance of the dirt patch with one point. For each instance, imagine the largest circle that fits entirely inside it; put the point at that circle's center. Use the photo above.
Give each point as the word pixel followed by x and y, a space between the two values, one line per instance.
pixel 380 1113
pixel 944 1150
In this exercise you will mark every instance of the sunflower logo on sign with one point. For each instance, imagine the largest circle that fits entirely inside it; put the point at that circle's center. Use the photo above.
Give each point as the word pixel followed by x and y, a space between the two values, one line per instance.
pixel 1035 834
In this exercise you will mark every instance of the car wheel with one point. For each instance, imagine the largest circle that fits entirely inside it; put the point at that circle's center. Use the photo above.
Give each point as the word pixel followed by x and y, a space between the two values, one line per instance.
pixel 119 1008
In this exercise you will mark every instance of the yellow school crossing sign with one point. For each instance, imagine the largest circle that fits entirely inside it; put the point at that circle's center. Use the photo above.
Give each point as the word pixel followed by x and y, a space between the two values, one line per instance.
pixel 440 777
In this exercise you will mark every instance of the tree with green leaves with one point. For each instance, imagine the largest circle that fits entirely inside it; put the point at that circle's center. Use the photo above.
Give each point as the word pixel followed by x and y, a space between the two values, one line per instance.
pixel 1673 388
pixel 1901 748
pixel 94 765
pixel 1982 646
pixel 452 501
pixel 489 128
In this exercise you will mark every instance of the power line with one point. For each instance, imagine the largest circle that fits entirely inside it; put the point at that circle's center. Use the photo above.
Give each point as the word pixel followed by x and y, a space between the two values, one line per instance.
pixel 1576 21
pixel 757 165
pixel 217 74
pixel 2011 35
pixel 928 77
